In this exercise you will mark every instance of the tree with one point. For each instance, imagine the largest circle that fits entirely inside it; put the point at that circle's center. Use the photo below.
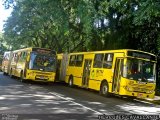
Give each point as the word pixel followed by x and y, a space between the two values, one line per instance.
pixel 85 25
pixel 2 44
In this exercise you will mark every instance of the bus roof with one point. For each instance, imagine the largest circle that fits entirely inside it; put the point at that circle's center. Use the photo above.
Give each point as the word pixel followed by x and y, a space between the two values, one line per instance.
pixel 112 51
pixel 31 49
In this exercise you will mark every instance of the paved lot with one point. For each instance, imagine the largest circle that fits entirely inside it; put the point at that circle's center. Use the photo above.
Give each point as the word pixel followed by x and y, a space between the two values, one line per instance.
pixel 40 101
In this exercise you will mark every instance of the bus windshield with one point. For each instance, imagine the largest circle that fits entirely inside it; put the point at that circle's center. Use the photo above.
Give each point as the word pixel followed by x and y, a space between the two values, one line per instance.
pixel 42 62
pixel 140 70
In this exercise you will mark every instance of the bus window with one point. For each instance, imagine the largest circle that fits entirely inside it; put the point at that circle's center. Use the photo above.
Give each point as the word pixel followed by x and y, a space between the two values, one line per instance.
pixel 98 60
pixel 42 62
pixel 72 60
pixel 15 57
pixel 20 57
pixel 108 61
pixel 24 55
pixel 140 70
pixel 6 57
pixel 79 60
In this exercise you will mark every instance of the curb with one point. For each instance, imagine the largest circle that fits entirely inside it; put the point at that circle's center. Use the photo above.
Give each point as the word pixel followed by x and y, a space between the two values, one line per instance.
pixel 156 100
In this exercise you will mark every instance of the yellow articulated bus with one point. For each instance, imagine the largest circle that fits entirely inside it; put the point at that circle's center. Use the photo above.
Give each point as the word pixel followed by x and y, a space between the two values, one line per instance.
pixel 62 62
pixel 121 72
pixel 6 62
pixel 36 64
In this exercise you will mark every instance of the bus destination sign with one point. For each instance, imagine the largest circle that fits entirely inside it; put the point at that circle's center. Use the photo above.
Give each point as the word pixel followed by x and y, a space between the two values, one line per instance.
pixel 141 55
pixel 44 51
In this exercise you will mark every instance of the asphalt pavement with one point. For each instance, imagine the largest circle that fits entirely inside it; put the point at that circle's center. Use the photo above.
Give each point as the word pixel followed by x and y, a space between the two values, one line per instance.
pixel 41 101
pixel 155 100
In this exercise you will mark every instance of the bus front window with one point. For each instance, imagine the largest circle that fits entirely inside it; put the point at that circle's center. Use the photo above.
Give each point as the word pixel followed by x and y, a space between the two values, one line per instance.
pixel 42 62
pixel 140 70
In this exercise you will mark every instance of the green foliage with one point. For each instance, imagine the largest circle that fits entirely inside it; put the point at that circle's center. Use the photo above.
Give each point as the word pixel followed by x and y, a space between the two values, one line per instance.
pixel 3 47
pixel 84 25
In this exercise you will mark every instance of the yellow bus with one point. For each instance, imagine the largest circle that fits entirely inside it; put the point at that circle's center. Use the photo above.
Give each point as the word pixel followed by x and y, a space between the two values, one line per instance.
pixel 36 64
pixel 6 62
pixel 122 72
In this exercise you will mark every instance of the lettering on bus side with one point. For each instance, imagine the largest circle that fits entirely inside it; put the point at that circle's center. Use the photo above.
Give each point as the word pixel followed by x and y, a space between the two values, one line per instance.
pixel 92 74
pixel 99 73
pixel 96 73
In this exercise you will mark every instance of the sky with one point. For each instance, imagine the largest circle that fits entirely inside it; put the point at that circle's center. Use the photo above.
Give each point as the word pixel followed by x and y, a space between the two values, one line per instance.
pixel 4 14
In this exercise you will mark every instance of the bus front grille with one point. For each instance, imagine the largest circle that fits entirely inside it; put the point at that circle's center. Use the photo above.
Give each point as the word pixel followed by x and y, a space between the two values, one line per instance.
pixel 143 90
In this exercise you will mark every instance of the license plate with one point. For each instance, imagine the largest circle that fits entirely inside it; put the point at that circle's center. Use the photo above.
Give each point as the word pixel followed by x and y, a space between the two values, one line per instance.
pixel 41 77
pixel 140 95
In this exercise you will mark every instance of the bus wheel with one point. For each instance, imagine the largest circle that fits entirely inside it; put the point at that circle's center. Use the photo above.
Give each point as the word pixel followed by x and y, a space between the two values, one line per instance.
pixel 21 77
pixel 70 81
pixel 104 89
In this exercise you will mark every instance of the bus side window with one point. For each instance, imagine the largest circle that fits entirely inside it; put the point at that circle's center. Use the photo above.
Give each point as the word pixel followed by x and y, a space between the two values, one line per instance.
pixel 79 60
pixel 108 59
pixel 23 56
pixel 15 57
pixel 72 60
pixel 20 56
pixel 5 57
pixel 98 60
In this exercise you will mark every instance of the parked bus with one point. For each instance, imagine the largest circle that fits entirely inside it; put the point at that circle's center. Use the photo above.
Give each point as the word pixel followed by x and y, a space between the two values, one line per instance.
pixel 36 64
pixel 6 62
pixel 121 72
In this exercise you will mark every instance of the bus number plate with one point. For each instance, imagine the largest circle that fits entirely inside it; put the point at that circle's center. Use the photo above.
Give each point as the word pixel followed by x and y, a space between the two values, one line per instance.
pixel 140 95
pixel 41 77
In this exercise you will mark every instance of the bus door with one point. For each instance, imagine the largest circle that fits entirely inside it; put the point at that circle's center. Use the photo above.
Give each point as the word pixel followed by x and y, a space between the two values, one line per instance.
pixel 117 75
pixel 86 72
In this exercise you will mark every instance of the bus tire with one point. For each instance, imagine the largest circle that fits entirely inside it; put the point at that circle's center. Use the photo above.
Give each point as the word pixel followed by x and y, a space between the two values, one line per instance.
pixel 70 81
pixel 104 89
pixel 21 77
